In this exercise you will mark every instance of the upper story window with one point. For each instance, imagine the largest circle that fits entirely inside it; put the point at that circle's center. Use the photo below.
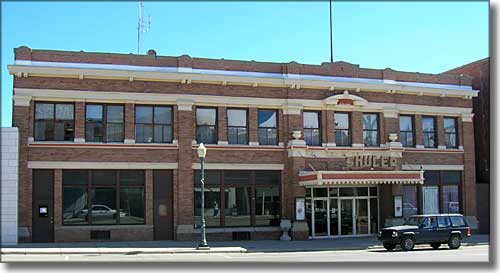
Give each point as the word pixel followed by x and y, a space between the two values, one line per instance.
pixel 237 131
pixel 312 129
pixel 153 124
pixel 268 127
pixel 429 132
pixel 104 123
pixel 342 129
pixel 206 125
pixel 370 129
pixel 54 121
pixel 406 131
pixel 450 132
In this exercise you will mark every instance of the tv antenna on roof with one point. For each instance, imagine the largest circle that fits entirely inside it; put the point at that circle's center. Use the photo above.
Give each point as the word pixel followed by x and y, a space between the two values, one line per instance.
pixel 142 27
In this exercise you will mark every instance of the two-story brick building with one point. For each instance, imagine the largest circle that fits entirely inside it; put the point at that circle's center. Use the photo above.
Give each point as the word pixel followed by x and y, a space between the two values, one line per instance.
pixel 108 146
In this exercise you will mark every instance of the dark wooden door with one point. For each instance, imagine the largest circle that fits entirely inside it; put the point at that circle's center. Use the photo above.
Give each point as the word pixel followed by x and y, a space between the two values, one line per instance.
pixel 43 206
pixel 163 205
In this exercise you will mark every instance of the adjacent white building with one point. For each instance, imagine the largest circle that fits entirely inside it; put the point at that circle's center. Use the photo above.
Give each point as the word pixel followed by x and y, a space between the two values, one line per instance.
pixel 10 162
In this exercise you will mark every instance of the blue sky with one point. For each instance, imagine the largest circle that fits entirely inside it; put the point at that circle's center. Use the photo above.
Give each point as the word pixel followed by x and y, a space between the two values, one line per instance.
pixel 411 36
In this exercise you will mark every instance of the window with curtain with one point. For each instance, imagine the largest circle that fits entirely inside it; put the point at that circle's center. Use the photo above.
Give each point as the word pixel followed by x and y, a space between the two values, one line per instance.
pixel 237 130
pixel 342 129
pixel 450 132
pixel 312 129
pixel 206 125
pixel 267 131
pixel 429 132
pixel 406 131
pixel 104 123
pixel 54 121
pixel 153 124
pixel 370 130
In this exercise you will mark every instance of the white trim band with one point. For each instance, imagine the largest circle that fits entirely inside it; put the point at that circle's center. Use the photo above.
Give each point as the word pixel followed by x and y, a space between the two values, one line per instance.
pixel 414 167
pixel 229 166
pixel 99 165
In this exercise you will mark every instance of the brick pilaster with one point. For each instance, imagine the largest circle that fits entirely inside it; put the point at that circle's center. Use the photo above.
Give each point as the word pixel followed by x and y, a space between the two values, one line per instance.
pixel 440 130
pixel 418 130
pixel 222 124
pixel 282 136
pixel 253 125
pixel 330 127
pixel 79 121
pixel 149 197
pixel 57 197
pixel 184 193
pixel 383 136
pixel 469 174
pixel 357 127
pixel 130 121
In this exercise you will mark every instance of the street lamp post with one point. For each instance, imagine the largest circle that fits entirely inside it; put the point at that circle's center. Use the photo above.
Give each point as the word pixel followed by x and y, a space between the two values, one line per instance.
pixel 202 152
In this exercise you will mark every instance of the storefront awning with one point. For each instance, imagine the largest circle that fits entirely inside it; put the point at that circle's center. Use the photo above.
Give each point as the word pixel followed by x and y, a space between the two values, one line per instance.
pixel 360 177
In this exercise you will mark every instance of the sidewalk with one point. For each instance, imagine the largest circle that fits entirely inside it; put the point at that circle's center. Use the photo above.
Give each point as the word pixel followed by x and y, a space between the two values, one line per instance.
pixel 173 247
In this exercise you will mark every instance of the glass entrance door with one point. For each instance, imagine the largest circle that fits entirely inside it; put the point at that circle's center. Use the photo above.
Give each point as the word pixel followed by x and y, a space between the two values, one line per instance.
pixel 321 217
pixel 346 217
pixel 334 217
pixel 361 216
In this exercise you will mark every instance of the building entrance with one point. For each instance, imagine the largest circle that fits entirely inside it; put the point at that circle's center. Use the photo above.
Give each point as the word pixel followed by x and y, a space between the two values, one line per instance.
pixel 341 211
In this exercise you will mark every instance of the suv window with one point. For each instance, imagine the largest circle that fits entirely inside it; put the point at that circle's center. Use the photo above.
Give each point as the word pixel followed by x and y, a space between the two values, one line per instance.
pixel 429 222
pixel 443 221
pixel 457 221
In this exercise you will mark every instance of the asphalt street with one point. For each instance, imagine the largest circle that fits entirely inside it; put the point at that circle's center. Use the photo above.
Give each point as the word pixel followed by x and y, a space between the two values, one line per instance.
pixel 478 253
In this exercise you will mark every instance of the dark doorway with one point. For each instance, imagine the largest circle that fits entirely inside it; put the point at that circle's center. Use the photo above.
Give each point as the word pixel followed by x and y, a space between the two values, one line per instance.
pixel 43 206
pixel 163 205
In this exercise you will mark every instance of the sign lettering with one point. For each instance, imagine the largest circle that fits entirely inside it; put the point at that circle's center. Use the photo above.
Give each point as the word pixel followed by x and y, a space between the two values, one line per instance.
pixel 371 161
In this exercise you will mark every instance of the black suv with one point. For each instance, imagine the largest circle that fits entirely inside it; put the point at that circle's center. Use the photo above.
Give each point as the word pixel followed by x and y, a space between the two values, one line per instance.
pixel 434 229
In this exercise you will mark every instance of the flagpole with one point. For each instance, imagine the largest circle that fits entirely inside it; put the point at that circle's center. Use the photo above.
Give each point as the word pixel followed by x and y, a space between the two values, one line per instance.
pixel 331 34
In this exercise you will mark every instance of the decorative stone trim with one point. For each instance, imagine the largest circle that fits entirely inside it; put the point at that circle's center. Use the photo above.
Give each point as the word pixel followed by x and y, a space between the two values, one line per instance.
pixel 467 117
pixel 441 147
pixel 292 109
pixel 329 145
pixel 253 143
pixel 129 141
pixel 80 140
pixel 184 105
pixel 22 100
pixel 419 146
pixel 220 142
pixel 358 145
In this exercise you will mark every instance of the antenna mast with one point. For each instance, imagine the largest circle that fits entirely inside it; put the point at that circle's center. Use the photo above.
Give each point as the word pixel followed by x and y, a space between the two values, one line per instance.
pixel 331 34
pixel 141 28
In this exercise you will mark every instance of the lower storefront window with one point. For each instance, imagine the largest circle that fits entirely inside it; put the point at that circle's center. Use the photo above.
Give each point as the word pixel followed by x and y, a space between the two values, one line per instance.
pixel 239 188
pixel 111 201
pixel 237 206
pixel 449 198
pixel 267 205
pixel 430 199
pixel 212 206
pixel 410 204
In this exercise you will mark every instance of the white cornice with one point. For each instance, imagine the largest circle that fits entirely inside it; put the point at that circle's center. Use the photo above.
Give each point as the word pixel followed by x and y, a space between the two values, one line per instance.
pixel 127 72
pixel 414 167
pixel 289 106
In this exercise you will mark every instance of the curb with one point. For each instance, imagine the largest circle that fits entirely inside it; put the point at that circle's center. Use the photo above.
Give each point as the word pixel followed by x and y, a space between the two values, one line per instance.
pixel 192 251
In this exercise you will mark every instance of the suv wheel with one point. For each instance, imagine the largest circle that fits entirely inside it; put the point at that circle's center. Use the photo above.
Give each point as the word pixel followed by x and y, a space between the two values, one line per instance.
pixel 454 242
pixel 407 243
pixel 389 246
pixel 435 245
